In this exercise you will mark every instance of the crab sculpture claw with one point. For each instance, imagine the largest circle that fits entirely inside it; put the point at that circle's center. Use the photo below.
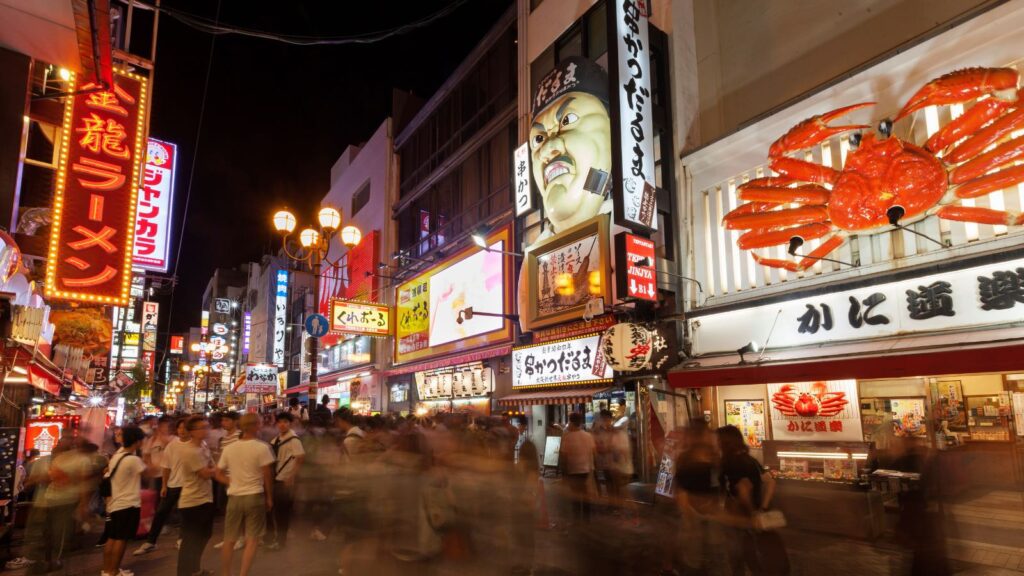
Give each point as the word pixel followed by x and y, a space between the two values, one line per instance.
pixel 961 86
pixel 814 130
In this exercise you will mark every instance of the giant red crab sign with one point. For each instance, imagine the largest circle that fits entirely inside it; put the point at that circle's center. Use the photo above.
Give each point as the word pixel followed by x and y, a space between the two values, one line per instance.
pixel 886 181
pixel 818 402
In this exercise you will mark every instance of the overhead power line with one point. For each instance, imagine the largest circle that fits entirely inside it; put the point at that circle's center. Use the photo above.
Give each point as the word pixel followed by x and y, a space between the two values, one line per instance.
pixel 214 27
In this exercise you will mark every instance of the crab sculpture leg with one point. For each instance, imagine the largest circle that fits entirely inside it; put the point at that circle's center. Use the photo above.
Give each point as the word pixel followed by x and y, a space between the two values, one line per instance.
pixel 767 221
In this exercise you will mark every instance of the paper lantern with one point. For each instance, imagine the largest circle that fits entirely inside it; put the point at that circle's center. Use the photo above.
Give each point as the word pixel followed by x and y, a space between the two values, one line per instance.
pixel 627 347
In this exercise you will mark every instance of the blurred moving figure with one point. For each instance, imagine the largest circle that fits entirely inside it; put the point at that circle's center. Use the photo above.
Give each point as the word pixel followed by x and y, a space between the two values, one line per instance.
pixel 196 501
pixel 289 455
pixel 246 467
pixel 577 455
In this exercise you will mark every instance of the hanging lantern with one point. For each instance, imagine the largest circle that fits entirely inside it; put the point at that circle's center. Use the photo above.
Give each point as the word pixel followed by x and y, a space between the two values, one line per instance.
pixel 627 347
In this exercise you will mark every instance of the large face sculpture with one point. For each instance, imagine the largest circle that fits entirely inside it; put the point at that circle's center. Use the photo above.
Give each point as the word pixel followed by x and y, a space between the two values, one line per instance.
pixel 570 135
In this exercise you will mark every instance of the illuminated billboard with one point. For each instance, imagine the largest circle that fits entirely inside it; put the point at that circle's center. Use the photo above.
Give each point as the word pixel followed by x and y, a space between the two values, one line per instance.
pixel 90 253
pixel 427 306
pixel 352 317
pixel 153 211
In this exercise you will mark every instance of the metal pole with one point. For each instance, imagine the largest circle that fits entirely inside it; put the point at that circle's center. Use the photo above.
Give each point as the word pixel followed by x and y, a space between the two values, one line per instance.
pixel 313 342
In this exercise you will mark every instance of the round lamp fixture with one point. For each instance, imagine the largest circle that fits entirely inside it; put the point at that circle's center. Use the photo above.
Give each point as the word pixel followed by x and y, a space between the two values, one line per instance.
pixel 284 221
pixel 350 236
pixel 308 237
pixel 329 218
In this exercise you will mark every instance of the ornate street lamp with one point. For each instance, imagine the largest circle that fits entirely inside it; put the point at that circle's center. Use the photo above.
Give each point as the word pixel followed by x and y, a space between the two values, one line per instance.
pixel 315 245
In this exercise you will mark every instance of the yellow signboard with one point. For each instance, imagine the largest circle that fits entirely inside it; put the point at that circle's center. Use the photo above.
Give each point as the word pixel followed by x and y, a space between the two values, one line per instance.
pixel 350 317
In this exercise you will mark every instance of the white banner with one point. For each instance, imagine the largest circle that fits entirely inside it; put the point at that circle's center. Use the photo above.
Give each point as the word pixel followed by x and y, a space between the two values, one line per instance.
pixel 153 215
pixel 260 379
pixel 817 411
pixel 521 174
pixel 980 296
pixel 575 361
pixel 636 128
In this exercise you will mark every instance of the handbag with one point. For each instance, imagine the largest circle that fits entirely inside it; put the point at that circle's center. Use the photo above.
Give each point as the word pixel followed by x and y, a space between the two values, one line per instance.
pixel 769 520
pixel 106 484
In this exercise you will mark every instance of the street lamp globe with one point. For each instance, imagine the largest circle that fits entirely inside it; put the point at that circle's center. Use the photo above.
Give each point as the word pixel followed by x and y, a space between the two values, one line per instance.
pixel 350 236
pixel 329 218
pixel 284 221
pixel 196 347
pixel 308 237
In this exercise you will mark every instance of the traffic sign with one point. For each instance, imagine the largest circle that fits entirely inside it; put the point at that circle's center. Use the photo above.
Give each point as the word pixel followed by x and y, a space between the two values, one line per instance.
pixel 316 325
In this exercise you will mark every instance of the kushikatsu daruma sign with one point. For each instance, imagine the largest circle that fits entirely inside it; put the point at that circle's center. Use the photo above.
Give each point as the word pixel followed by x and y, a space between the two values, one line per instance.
pixel 562 362
pixel 987 295
pixel 101 155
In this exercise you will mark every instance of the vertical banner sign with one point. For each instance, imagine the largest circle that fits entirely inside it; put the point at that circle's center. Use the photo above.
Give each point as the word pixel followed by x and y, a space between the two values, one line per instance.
pixel 633 129
pixel 521 172
pixel 636 278
pixel 150 317
pixel 246 332
pixel 153 216
pixel 93 228
pixel 280 316
pixel 177 344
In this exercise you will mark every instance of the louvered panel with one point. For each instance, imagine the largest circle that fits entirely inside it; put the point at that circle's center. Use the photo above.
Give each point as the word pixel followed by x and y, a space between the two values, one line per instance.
pixel 743 261
pixel 730 252
pixel 717 241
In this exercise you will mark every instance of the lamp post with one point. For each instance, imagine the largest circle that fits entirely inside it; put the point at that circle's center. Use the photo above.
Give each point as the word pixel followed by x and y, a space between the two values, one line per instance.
pixel 315 245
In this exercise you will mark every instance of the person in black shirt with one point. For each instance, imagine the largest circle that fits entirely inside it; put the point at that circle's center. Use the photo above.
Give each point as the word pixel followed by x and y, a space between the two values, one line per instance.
pixel 698 498
pixel 748 490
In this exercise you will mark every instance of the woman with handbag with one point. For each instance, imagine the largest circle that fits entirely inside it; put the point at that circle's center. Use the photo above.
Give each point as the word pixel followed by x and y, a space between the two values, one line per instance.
pixel 748 494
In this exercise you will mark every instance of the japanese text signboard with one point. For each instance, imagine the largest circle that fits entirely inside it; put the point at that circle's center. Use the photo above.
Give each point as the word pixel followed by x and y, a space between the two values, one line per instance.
pixel 350 317
pixel 153 216
pixel 986 295
pixel 150 320
pixel 94 204
pixel 280 314
pixel 260 379
pixel 635 274
pixel 565 362
pixel 521 173
pixel 821 411
pixel 633 130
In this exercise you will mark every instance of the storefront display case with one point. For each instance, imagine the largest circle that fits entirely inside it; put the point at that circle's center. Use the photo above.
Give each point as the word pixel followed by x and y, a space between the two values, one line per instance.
pixel 828 462
pixel 988 418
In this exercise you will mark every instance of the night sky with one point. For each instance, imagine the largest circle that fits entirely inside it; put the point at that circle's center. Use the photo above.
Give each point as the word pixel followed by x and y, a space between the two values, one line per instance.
pixel 278 116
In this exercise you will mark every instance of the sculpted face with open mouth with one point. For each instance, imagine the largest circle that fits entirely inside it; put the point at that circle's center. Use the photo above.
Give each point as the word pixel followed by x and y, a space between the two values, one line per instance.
pixel 568 137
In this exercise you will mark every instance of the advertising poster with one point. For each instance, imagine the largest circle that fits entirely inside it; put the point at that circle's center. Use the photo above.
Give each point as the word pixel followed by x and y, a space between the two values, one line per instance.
pixel 824 411
pixel 748 416
pixel 667 470
pixel 576 361
pixel 150 319
pixel 565 275
pixel 413 312
pixel 476 282
pixel 908 417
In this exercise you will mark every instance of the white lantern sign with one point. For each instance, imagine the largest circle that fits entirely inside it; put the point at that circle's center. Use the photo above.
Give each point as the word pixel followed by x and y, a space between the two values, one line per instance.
pixel 627 347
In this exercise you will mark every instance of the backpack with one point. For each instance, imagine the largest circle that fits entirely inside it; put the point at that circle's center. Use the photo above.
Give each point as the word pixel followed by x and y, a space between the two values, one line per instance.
pixel 107 484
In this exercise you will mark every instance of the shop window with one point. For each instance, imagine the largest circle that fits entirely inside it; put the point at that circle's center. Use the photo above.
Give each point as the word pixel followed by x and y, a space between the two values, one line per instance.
pixel 597 32
pixel 571 44
pixel 42 144
pixel 360 198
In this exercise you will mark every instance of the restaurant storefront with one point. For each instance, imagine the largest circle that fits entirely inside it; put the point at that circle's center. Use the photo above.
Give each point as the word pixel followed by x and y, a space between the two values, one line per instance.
pixel 862 363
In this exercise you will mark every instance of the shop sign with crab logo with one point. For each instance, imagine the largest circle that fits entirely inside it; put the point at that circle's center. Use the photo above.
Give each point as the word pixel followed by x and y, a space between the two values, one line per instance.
pixel 824 411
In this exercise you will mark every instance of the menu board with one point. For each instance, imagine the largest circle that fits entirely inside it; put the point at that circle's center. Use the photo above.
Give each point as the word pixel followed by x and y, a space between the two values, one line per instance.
pixel 748 416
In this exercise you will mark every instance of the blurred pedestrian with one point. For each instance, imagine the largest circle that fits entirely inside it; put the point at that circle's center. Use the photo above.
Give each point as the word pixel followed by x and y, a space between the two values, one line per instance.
pixel 246 467
pixel 289 456
pixel 124 506
pixel 576 456
pixel 170 489
pixel 196 501
pixel 52 521
pixel 748 490
pixel 698 497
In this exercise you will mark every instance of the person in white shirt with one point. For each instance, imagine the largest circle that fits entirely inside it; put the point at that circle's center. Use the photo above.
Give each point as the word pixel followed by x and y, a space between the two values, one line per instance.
pixel 246 467
pixel 170 489
pixel 196 500
pixel 125 503
pixel 289 453
pixel 576 456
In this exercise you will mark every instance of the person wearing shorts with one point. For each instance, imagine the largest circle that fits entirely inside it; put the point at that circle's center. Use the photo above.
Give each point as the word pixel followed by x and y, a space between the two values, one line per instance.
pixel 125 503
pixel 246 467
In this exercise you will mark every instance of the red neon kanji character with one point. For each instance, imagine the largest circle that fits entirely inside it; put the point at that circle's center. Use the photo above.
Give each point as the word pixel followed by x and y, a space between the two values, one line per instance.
pixel 144 246
pixel 146 228
pixel 835 426
pixel 103 135
pixel 819 426
pixel 90 239
pixel 107 100
pixel 152 214
pixel 110 174
pixel 106 275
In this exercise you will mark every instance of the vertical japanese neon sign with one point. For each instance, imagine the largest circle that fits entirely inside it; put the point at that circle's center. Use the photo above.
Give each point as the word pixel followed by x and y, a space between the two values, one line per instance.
pixel 280 316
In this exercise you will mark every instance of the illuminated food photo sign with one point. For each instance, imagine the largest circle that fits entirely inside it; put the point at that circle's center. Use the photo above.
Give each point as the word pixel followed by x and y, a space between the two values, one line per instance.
pixel 562 273
pixel 427 306
pixel 101 155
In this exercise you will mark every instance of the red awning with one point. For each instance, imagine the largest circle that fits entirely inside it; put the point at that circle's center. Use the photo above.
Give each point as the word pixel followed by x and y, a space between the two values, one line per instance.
pixel 950 354
pixel 300 389
pixel 475 356
pixel 567 396
pixel 44 379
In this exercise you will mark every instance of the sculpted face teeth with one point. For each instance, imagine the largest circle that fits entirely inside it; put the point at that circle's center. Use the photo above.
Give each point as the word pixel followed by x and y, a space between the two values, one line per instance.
pixel 554 170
